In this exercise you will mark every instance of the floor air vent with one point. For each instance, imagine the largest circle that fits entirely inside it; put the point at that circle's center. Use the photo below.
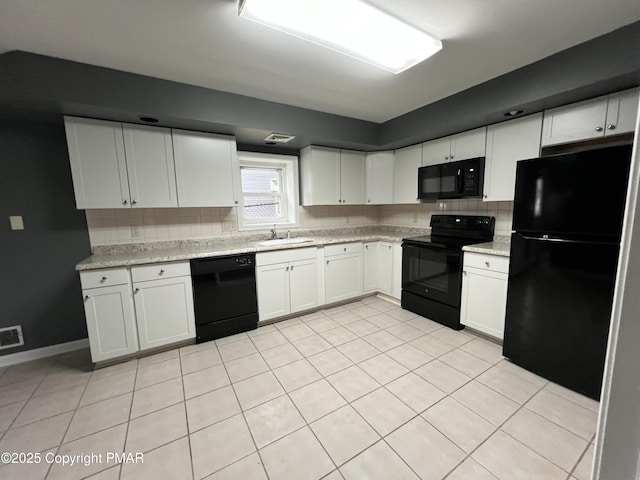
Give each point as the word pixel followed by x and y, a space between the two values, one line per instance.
pixel 11 337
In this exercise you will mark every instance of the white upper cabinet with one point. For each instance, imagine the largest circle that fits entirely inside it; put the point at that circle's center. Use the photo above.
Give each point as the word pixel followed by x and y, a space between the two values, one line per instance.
pixel 331 176
pixel 603 116
pixel 622 110
pixel 149 154
pixel 435 151
pixel 118 165
pixel 507 143
pixel 352 172
pixel 379 174
pixel 405 174
pixel 205 165
pixel 98 165
pixel 470 144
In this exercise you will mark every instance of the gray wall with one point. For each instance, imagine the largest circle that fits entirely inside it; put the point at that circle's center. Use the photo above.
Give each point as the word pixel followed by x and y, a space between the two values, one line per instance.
pixel 40 289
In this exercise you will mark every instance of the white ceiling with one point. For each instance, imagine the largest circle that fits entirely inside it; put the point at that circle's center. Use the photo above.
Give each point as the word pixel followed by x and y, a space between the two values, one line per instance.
pixel 205 43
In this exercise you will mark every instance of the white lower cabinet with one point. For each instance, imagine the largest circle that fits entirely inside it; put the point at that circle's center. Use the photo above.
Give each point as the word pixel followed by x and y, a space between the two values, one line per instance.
pixel 124 317
pixel 111 321
pixel 370 266
pixel 164 309
pixel 343 271
pixel 396 267
pixel 287 282
pixel 484 293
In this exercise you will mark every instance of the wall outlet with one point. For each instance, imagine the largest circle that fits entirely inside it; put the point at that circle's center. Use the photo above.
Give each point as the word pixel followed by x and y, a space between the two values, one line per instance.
pixel 16 222
pixel 135 231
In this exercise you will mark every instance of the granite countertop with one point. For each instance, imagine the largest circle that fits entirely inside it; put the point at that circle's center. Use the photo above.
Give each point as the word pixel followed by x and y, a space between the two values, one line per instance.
pixel 499 247
pixel 140 254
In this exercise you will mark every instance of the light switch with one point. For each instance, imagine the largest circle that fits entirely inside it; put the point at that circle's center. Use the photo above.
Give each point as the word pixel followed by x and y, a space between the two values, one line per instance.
pixel 16 222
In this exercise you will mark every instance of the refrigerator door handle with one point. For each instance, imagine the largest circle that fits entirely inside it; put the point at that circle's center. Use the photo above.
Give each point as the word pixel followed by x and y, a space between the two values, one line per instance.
pixel 546 238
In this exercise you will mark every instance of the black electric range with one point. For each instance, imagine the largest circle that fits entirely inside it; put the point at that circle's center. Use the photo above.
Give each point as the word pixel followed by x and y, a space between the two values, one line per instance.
pixel 432 266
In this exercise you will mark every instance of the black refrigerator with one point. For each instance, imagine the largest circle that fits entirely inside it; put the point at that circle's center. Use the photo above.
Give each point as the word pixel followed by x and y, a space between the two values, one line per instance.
pixel 567 222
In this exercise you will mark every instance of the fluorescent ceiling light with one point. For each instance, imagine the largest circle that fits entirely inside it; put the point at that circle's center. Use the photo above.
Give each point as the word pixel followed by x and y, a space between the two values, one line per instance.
pixel 351 27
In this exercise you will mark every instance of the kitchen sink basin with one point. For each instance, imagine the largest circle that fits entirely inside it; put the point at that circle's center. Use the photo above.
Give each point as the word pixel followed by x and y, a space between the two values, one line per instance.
pixel 284 241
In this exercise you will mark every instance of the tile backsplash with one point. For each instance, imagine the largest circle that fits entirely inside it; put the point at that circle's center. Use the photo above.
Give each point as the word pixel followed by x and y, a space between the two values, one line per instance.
pixel 121 226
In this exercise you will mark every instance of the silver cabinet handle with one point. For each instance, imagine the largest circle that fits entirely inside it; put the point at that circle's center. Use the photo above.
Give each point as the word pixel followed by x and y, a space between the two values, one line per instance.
pixel 611 126
pixel 451 157
pixel 345 249
pixel 136 290
pixel 367 247
pixel 327 262
pixel 464 273
pixel 87 297
pixel 103 279
pixel 599 129
pixel 161 271
pixel 487 264
pixel 389 247
pixel 236 202
pixel 291 267
pixel 368 201
pixel 124 202
pixel 133 202
pixel 446 157
pixel 286 269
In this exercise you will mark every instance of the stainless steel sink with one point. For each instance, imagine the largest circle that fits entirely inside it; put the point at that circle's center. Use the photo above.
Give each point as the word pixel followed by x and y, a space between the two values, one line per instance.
pixel 284 241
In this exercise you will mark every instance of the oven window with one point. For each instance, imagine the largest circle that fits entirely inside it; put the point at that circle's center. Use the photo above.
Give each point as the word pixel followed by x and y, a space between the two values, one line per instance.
pixel 433 273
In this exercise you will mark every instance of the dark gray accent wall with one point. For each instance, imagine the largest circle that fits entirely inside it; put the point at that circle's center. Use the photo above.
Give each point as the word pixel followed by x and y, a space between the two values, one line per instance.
pixel 605 64
pixel 45 84
pixel 40 288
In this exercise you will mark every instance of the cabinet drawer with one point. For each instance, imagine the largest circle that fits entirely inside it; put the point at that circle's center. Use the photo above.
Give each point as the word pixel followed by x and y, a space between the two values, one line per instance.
pixel 342 248
pixel 104 278
pixel 160 270
pixel 494 263
pixel 284 256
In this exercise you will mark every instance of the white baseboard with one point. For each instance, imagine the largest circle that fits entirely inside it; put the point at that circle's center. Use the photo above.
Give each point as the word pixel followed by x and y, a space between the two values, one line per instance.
pixel 43 352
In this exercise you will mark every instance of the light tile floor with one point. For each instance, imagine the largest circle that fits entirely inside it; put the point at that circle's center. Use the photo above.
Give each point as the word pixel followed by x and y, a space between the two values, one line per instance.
pixel 365 390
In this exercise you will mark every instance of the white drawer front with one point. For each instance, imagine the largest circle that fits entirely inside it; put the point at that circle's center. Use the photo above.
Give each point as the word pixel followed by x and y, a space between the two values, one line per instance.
pixel 342 248
pixel 284 256
pixel 104 278
pixel 495 263
pixel 159 271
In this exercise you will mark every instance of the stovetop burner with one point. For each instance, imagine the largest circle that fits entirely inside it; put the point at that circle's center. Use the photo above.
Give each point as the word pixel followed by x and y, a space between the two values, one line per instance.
pixel 456 231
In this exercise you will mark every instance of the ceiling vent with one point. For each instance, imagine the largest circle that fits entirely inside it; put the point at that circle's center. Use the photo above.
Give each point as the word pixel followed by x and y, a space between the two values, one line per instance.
pixel 279 138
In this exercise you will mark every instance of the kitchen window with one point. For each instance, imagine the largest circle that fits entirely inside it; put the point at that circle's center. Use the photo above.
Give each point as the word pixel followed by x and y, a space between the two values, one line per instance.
pixel 269 190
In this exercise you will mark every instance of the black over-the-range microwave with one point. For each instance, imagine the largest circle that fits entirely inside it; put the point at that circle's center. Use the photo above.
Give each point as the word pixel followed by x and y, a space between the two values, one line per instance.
pixel 460 179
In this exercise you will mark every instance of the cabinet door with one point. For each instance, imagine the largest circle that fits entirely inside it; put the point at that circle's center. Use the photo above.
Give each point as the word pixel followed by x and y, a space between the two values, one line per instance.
pixel 343 277
pixel 396 283
pixel 272 282
pixel 370 266
pixel 385 267
pixel 507 143
pixel 98 165
pixel 469 144
pixel 406 162
pixel 204 169
pixel 578 121
pixel 303 285
pixel 352 175
pixel 152 176
pixel 622 110
pixel 164 309
pixel 436 151
pixel 484 301
pixel 320 176
pixel 111 322
pixel 379 177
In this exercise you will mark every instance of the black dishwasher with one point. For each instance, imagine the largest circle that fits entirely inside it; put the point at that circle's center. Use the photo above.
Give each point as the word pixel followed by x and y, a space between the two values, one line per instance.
pixel 224 294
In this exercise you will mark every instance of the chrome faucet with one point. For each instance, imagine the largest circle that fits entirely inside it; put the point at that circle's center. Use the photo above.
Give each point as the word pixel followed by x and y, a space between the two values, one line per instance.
pixel 274 235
